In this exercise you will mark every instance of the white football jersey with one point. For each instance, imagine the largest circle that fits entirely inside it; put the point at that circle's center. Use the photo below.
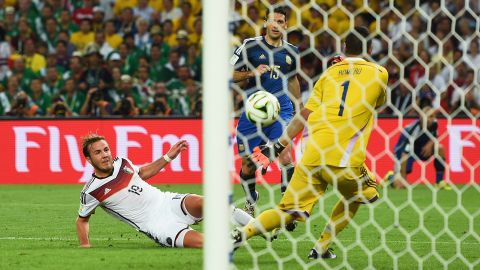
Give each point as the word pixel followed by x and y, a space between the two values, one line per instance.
pixel 129 198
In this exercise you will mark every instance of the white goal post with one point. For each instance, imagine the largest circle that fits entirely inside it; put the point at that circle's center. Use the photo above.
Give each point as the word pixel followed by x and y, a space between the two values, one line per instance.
pixel 216 117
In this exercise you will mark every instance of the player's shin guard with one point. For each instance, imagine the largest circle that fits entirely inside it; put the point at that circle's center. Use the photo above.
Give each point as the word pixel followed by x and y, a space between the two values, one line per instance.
pixel 287 173
pixel 266 222
pixel 439 169
pixel 249 183
pixel 342 213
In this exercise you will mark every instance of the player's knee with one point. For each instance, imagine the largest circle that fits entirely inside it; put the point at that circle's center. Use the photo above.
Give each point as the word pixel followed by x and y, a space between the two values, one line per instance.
pixel 194 205
pixel 193 239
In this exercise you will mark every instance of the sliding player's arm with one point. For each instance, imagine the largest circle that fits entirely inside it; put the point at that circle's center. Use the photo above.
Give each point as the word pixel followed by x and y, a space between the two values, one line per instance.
pixel 82 231
pixel 151 169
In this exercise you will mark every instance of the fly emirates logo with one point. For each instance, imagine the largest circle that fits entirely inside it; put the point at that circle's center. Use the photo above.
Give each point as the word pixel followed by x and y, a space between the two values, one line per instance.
pixel 160 145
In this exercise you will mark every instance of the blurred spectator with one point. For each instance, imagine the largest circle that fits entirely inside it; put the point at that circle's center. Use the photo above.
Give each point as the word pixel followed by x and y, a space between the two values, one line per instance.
pixel 21 73
pixel 157 38
pixel 142 37
pixel 95 70
pixel 459 91
pixel 27 9
pixel 170 12
pixel 22 106
pixel 174 62
pixel 42 99
pixel 182 43
pixel 5 52
pixel 41 21
pixel 98 19
pixel 169 35
pixel 59 109
pixel 127 22
pixel 53 82
pixel 104 48
pixel 194 62
pixel 194 97
pixel 129 99
pixel 83 37
pixel 65 37
pixel 33 60
pixel 24 33
pixel 62 56
pixel 142 10
pixel 97 102
pixel 402 100
pixel 66 23
pixel 436 83
pixel 9 23
pixel 75 69
pixel 187 20
pixel 84 12
pixel 451 99
pixel 7 97
pixel 196 35
pixel 72 97
pixel 111 36
pixel 159 106
pixel 177 89
pixel 417 70
pixel 473 56
pixel 144 81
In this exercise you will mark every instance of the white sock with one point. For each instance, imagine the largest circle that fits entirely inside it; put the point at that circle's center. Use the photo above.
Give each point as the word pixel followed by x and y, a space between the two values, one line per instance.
pixel 240 217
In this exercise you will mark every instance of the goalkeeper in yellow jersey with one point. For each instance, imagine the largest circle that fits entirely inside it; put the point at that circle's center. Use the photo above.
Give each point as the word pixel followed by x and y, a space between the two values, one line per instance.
pixel 339 114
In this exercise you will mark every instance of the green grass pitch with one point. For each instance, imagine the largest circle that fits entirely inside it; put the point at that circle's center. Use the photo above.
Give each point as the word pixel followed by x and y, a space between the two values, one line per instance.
pixel 412 229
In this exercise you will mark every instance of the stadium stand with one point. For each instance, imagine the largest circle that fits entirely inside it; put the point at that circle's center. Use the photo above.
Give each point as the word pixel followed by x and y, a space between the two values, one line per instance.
pixel 97 58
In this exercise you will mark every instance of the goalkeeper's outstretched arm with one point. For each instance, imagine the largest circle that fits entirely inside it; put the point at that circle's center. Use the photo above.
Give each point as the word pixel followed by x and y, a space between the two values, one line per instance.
pixel 294 127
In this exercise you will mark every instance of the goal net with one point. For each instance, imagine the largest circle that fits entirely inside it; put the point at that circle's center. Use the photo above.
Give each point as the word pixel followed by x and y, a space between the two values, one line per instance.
pixel 424 142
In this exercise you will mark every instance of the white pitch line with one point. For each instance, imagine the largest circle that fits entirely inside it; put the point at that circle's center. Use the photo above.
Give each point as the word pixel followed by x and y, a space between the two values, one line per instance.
pixel 277 240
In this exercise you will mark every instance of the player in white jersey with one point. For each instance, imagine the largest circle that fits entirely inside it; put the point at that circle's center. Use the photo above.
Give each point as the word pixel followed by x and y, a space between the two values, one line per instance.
pixel 119 188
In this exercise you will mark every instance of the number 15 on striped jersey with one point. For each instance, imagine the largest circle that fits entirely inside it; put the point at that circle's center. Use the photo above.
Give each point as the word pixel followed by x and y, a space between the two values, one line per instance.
pixel 344 96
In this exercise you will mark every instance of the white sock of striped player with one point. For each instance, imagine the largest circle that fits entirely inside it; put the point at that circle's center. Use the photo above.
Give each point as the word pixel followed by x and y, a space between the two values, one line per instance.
pixel 240 217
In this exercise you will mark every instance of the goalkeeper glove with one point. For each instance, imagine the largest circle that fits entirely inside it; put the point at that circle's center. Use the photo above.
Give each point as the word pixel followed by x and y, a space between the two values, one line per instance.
pixel 265 154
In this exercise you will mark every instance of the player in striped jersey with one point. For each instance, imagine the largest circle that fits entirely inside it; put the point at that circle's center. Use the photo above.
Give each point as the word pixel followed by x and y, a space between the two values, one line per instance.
pixel 266 63
pixel 418 142
pixel 119 188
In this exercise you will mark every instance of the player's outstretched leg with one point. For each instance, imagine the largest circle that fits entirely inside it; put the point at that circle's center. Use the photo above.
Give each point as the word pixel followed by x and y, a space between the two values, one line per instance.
pixel 248 180
pixel 342 213
pixel 266 222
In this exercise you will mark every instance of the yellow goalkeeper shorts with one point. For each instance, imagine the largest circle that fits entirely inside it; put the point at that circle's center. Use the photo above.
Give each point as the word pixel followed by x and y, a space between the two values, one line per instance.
pixel 309 183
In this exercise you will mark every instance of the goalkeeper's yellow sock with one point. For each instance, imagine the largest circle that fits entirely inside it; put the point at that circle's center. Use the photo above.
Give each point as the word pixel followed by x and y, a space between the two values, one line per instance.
pixel 266 222
pixel 342 213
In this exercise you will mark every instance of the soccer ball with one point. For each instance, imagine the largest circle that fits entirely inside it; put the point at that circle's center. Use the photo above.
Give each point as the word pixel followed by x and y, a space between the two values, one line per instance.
pixel 262 108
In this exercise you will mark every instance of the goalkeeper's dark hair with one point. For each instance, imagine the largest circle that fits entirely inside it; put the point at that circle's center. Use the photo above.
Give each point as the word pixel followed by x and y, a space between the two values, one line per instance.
pixel 355 39
pixel 89 140
pixel 279 10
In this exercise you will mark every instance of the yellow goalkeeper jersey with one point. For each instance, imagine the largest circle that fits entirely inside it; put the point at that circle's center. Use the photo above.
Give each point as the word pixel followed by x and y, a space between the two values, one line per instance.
pixel 342 103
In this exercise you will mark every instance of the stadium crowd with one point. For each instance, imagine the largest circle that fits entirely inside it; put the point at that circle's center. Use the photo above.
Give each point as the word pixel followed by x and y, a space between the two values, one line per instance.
pixel 143 57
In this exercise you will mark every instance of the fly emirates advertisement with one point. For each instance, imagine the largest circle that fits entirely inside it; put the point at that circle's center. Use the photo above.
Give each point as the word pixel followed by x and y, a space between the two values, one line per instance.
pixel 50 152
